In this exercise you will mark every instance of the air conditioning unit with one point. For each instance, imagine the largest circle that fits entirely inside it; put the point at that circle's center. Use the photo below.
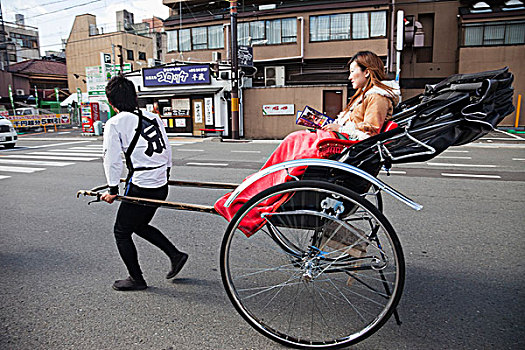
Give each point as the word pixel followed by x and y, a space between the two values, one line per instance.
pixel 274 76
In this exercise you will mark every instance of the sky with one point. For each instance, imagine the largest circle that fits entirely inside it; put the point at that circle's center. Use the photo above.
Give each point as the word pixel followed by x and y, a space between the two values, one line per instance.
pixel 54 18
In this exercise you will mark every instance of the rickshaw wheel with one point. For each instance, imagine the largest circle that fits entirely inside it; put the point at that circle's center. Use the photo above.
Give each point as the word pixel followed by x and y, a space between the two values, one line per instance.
pixel 325 270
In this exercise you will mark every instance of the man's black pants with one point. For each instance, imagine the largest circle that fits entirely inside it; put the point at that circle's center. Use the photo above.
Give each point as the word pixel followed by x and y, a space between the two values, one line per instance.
pixel 133 218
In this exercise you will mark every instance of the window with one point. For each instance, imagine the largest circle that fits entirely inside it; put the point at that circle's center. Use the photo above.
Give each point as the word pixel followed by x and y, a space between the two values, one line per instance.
pixel 215 37
pixel 377 23
pixel 198 38
pixel 23 40
pixel 360 29
pixel 142 56
pixel 271 32
pixel 346 26
pixel 173 40
pixel 289 30
pixel 320 28
pixel 130 55
pixel 185 40
pixel 494 33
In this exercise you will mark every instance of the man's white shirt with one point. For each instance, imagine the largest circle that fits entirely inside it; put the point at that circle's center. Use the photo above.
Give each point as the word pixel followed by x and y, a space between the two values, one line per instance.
pixel 118 134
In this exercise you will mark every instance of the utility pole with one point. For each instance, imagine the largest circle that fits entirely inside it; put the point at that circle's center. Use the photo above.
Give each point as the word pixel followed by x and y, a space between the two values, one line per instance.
pixel 121 59
pixel 235 71
pixel 113 61
pixel 3 43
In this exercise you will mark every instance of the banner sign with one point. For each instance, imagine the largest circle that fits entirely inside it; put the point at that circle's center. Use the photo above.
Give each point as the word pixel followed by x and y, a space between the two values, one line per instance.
pixel 172 76
pixel 279 109
pixel 208 111
pixel 11 97
pixel 27 121
pixel 97 77
pixel 79 96
pixel 245 56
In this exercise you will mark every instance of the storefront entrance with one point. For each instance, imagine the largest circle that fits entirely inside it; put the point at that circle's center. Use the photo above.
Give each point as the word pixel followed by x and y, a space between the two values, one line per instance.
pixel 185 115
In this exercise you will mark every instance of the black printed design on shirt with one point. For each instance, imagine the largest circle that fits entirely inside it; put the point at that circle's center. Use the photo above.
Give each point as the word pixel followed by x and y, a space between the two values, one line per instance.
pixel 150 131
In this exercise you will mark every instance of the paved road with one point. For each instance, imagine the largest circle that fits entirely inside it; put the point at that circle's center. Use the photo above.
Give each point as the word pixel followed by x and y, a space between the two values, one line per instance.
pixel 464 252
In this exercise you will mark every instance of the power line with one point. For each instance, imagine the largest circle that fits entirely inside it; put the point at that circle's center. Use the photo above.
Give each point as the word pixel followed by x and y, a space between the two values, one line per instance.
pixel 49 3
pixel 64 9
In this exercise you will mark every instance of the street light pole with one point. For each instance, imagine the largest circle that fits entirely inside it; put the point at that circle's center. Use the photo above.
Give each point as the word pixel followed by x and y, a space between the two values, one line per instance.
pixel 235 71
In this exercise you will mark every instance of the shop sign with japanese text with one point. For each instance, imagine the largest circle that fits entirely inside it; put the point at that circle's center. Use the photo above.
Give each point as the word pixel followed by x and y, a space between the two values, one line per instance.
pixel 288 109
pixel 182 75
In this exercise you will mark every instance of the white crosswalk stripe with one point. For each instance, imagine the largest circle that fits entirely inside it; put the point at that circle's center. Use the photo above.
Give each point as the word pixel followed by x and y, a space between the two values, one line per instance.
pixel 94 151
pixel 79 154
pixel 33 162
pixel 88 147
pixel 17 169
pixel 23 156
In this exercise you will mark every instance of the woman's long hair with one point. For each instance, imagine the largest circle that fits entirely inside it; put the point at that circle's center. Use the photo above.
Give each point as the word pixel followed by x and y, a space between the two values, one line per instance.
pixel 368 60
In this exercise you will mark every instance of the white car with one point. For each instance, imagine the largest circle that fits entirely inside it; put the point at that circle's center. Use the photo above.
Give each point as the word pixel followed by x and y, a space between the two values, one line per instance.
pixel 8 135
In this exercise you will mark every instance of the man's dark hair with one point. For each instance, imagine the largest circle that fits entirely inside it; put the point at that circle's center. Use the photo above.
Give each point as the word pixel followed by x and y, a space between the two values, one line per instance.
pixel 121 94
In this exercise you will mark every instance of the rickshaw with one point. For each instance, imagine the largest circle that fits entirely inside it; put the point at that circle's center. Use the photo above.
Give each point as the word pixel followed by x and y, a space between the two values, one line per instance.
pixel 313 262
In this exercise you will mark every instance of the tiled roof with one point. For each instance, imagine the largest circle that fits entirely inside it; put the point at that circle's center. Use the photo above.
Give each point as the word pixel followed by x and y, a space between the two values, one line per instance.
pixel 30 67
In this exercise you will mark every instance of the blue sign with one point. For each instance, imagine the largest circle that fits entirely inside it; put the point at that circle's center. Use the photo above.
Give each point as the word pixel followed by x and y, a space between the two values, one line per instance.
pixel 181 75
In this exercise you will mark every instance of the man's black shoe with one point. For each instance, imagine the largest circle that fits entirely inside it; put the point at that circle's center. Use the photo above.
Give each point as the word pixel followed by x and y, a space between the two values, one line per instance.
pixel 129 284
pixel 177 264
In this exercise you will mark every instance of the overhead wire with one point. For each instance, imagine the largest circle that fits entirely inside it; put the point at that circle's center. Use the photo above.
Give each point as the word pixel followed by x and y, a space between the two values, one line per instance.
pixel 63 9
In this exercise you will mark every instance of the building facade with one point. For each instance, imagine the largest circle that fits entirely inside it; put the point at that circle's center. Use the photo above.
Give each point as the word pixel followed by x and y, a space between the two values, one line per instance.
pixel 85 43
pixel 31 78
pixel 301 48
pixel 20 42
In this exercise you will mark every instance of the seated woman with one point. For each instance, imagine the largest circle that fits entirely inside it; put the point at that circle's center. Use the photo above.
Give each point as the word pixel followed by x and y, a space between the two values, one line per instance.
pixel 368 109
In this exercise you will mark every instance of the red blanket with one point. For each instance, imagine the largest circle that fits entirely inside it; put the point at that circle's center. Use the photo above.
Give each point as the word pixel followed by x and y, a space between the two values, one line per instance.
pixel 297 145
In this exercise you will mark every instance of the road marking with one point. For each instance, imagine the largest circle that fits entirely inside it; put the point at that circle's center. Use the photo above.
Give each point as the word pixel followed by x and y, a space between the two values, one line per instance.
pixel 66 154
pixel 518 158
pixel 4 177
pixel 208 164
pixel 189 150
pixel 463 165
pixel 64 132
pixel 472 175
pixel 55 144
pixel 452 157
pixel 455 151
pixel 509 134
pixel 245 151
pixel 22 138
pixel 499 139
pixel 83 150
pixel 400 172
pixel 77 149
pixel 34 162
pixel 17 169
pixel 179 143
pixel 49 157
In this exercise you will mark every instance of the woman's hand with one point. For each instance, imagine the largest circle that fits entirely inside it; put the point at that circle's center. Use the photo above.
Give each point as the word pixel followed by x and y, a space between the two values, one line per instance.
pixel 332 127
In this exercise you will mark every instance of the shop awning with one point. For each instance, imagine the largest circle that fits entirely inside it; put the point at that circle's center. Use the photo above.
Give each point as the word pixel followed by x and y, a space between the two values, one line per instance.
pixel 74 98
pixel 178 92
